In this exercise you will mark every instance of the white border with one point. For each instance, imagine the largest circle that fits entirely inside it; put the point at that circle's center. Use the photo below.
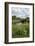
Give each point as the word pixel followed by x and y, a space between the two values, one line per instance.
pixel 31 23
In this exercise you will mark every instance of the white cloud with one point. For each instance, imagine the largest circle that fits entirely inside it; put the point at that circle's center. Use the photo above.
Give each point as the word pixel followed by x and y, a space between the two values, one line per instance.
pixel 20 12
pixel 15 9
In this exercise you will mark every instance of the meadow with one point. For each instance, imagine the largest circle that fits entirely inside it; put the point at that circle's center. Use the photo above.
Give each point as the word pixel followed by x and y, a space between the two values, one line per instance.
pixel 20 30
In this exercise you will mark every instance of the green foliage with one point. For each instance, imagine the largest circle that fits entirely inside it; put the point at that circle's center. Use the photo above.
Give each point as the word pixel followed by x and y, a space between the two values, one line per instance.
pixel 20 30
pixel 13 17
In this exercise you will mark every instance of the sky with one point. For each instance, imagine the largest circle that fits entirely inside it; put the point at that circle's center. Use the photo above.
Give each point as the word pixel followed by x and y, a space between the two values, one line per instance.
pixel 20 12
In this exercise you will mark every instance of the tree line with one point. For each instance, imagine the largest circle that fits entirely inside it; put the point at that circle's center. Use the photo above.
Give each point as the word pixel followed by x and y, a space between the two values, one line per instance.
pixel 23 20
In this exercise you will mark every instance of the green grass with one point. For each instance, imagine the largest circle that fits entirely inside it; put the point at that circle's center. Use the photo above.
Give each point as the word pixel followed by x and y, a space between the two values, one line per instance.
pixel 20 31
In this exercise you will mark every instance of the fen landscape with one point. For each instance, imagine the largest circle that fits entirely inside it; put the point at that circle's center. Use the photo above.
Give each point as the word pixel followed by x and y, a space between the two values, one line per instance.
pixel 20 27
pixel 20 22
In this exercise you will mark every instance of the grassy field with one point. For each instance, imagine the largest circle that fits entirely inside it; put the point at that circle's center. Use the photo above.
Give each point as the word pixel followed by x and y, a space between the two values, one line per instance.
pixel 20 30
pixel 20 27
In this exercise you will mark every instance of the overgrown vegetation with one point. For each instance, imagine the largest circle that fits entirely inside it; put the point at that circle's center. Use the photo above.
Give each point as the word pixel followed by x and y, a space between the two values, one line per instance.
pixel 20 27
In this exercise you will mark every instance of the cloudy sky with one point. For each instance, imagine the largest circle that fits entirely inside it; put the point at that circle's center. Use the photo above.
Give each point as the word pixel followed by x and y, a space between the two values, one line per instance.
pixel 20 12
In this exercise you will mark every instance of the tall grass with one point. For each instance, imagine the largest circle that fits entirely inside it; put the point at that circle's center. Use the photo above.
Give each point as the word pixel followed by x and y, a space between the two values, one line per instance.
pixel 19 31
